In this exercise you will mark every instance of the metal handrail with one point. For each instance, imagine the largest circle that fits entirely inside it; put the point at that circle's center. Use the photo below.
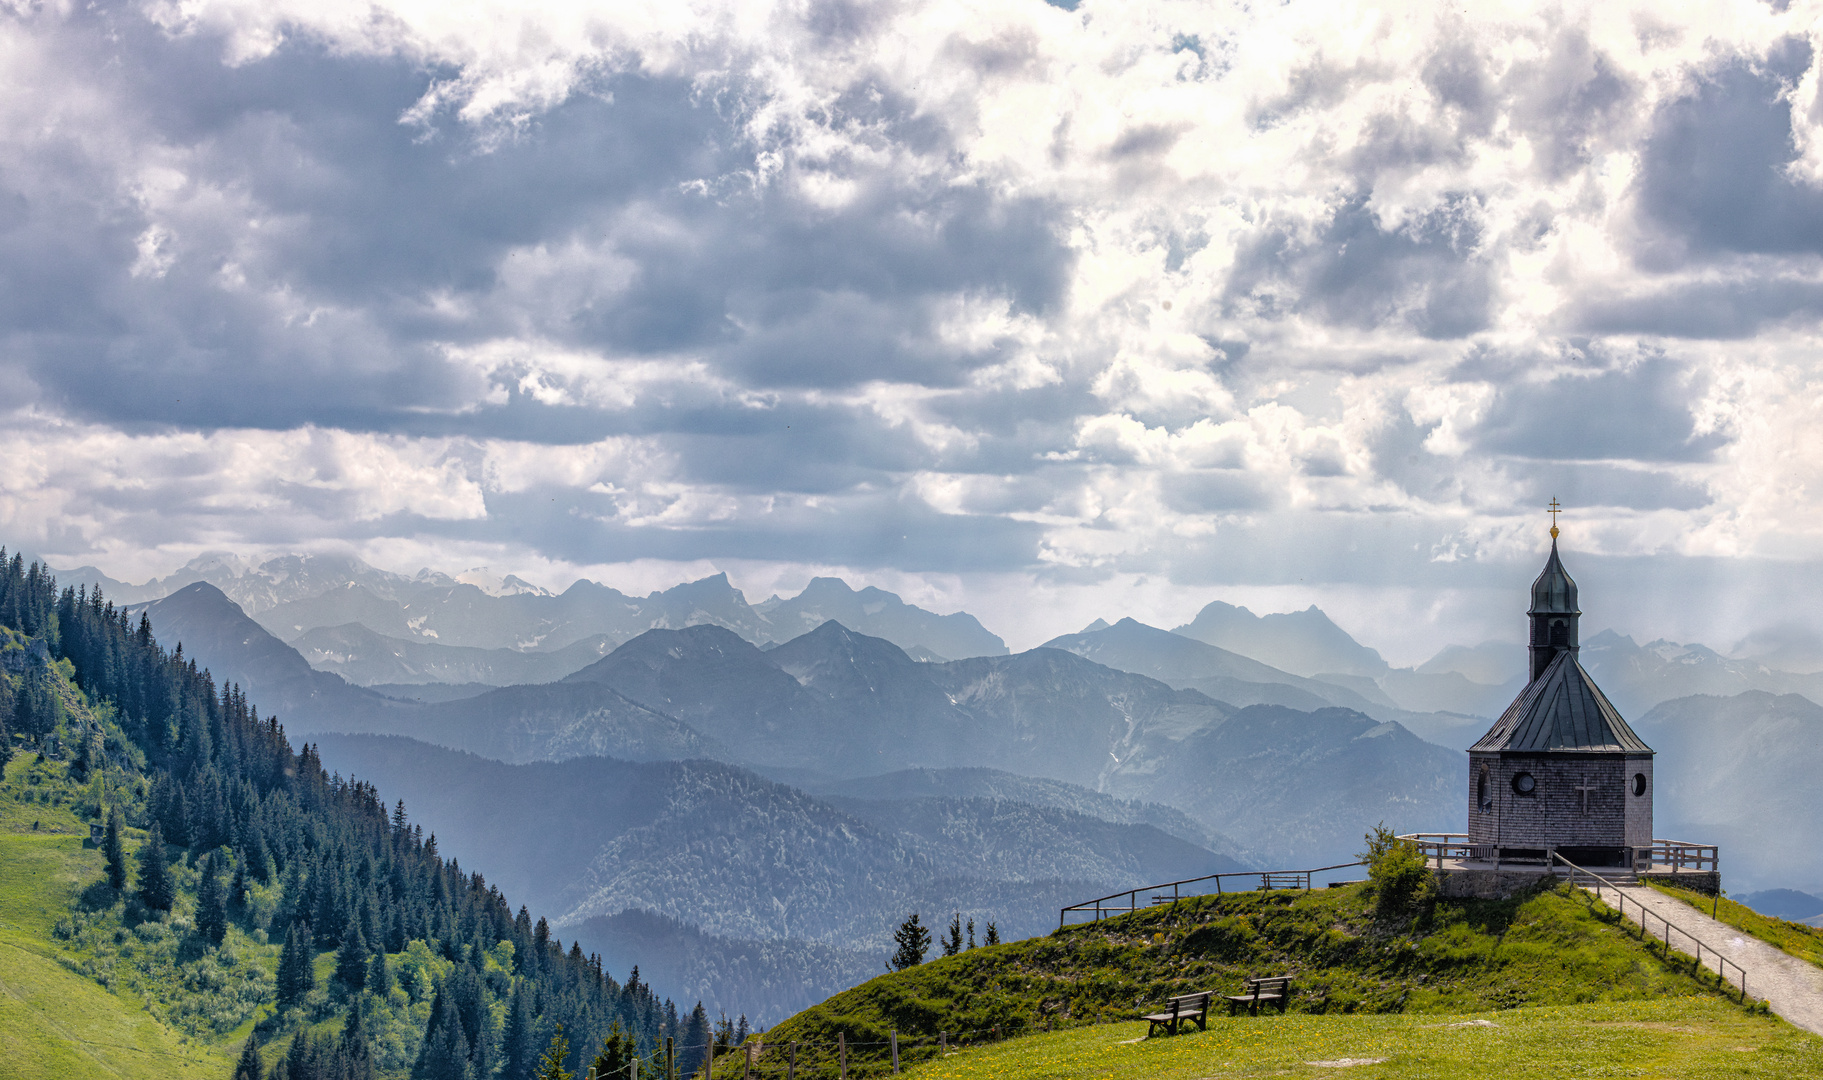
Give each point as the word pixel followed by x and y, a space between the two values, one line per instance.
pixel 1266 878
pixel 1621 906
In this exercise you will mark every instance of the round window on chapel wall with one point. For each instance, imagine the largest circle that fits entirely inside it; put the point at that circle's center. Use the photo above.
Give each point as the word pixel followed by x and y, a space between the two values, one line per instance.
pixel 1524 783
pixel 1639 783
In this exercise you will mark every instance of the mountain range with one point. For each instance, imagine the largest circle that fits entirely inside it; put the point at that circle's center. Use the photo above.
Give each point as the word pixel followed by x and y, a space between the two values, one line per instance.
pixel 294 594
pixel 845 704
pixel 756 795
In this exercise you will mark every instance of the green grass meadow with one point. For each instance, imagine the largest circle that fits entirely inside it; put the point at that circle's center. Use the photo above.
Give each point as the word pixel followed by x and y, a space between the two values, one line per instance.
pixel 55 1022
pixel 1693 1038
pixel 1552 983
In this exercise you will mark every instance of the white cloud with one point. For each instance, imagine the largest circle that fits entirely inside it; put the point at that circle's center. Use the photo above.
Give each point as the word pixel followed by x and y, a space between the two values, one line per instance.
pixel 1144 280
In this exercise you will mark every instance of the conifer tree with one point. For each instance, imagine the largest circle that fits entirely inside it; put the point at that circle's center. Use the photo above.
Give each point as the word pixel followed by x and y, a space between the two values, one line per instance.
pixel 520 1047
pixel 113 850
pixel 357 1059
pixel 971 933
pixel 156 888
pixel 693 1044
pixel 351 958
pixel 297 964
pixel 615 1059
pixel 913 940
pixel 446 1051
pixel 211 903
pixel 237 892
pixel 379 974
pixel 993 935
pixel 551 1066
pixel 952 941
pixel 248 1067
pixel 7 720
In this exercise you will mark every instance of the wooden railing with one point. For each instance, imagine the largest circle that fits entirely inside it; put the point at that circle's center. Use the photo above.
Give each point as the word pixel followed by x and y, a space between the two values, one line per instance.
pixel 1448 845
pixel 1594 882
pixel 1268 879
pixel 1680 856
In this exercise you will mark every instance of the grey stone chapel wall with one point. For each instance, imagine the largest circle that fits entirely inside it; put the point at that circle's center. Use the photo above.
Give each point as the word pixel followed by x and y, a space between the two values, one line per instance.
pixel 1553 815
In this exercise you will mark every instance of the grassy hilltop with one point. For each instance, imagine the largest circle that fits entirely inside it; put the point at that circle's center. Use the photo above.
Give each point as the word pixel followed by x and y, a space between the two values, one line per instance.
pixel 1553 970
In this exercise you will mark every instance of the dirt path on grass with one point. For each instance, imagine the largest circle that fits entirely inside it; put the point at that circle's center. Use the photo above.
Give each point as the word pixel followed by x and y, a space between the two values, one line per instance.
pixel 1790 986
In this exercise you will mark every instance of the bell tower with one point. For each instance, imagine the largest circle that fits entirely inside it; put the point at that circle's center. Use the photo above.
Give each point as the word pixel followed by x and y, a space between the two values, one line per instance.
pixel 1554 615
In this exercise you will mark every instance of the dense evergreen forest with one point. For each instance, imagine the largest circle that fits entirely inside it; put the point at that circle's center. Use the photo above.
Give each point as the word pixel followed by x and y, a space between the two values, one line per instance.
pixel 262 834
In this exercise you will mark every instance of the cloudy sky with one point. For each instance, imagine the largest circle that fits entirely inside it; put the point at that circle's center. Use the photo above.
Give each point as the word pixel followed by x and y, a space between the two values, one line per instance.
pixel 1043 312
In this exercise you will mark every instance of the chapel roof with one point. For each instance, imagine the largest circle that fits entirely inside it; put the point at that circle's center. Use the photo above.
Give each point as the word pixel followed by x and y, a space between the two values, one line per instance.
pixel 1554 592
pixel 1562 710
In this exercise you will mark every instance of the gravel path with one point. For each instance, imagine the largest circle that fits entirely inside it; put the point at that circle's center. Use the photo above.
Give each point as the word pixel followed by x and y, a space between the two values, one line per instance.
pixel 1793 988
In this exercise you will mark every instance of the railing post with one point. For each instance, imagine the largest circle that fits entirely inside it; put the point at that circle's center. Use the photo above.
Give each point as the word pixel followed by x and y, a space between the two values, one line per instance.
pixel 895 1038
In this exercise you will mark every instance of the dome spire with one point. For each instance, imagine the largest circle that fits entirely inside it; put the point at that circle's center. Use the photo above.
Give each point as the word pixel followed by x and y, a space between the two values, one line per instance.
pixel 1554 613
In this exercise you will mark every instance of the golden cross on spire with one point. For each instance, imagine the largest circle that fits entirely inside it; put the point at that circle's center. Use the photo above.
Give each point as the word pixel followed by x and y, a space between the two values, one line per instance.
pixel 1555 508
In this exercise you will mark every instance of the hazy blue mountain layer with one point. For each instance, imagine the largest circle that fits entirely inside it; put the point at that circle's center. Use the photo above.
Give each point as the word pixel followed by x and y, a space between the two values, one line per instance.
pixel 1729 768
pixel 980 783
pixel 1305 642
pixel 294 594
pixel 1170 657
pixel 743 856
pixel 859 706
pixel 1297 788
pixel 765 980
pixel 367 658
pixel 1783 903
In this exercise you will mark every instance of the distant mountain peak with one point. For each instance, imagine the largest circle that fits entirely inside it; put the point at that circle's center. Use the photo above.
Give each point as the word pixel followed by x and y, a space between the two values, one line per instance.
pixel 1303 642
pixel 1098 624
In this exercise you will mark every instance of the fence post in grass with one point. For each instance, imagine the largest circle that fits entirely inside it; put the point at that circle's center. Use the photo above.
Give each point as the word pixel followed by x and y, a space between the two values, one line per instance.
pixel 895 1038
pixel 842 1052
pixel 942 1044
pixel 791 1062
pixel 670 1059
pixel 747 1065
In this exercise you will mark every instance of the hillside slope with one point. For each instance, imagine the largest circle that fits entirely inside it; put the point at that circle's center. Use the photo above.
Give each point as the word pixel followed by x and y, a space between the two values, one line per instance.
pixel 1548 948
pixel 53 1021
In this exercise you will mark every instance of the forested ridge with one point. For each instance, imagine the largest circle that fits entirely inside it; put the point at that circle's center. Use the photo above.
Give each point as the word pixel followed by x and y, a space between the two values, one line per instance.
pixel 246 834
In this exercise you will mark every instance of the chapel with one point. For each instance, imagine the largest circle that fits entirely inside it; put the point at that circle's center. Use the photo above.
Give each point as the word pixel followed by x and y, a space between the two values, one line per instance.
pixel 1560 770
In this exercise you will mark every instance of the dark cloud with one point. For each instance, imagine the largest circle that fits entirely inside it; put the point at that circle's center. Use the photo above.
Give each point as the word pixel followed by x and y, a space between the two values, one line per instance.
pixel 1591 486
pixel 1702 309
pixel 1639 412
pixel 364 246
pixel 1356 273
pixel 1211 491
pixel 1713 177
pixel 1568 100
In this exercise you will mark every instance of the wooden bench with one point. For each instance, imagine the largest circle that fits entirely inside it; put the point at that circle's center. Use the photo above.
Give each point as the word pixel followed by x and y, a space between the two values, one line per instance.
pixel 1274 988
pixel 1183 1007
